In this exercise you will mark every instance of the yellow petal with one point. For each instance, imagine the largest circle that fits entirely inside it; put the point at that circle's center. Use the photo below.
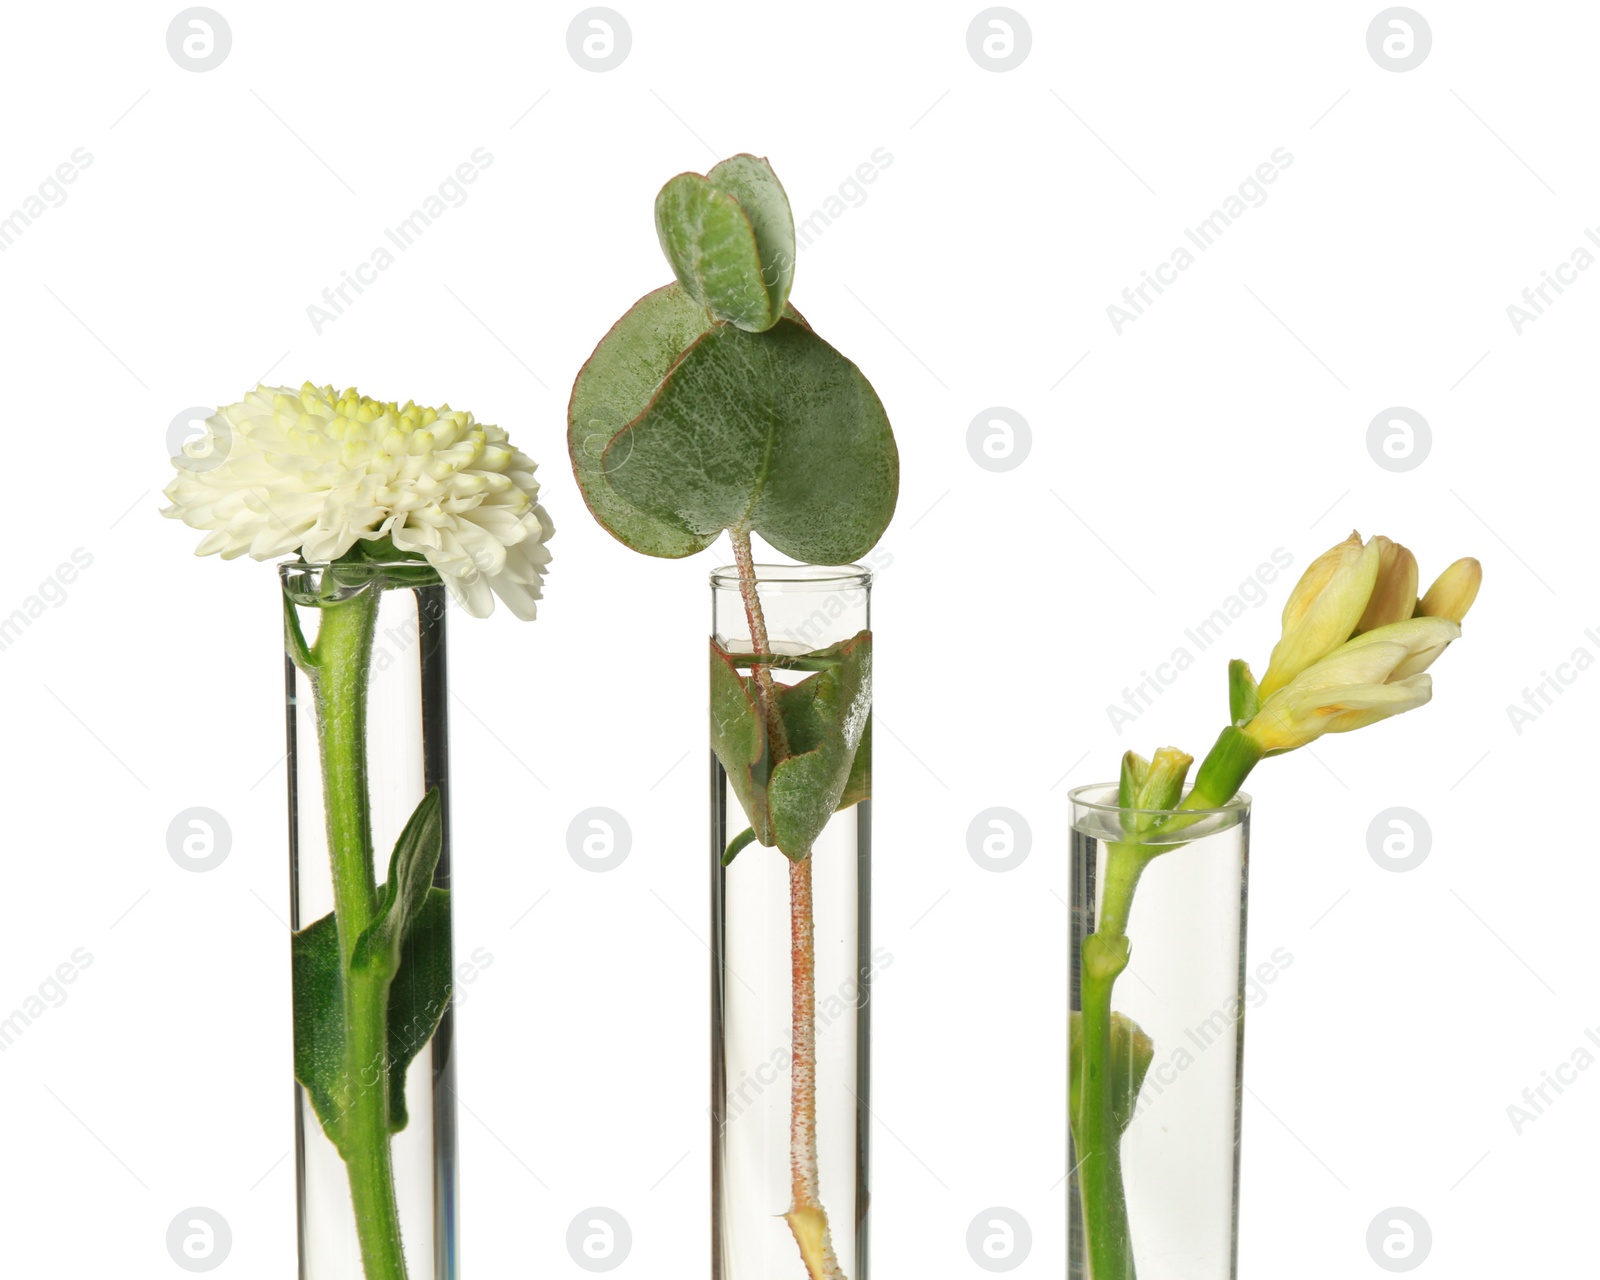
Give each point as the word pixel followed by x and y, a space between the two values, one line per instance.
pixel 1394 595
pixel 1299 716
pixel 1323 609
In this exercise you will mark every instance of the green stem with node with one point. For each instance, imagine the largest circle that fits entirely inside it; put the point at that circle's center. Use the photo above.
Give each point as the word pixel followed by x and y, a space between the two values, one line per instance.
pixel 1095 1132
pixel 337 665
pixel 1096 1137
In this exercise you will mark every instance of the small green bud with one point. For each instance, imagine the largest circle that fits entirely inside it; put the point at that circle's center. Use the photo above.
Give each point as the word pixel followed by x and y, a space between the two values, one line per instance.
pixel 1163 786
pixel 1151 786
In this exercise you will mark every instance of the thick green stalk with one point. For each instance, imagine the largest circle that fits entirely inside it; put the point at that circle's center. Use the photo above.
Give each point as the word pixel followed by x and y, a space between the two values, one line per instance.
pixel 1125 863
pixel 1229 762
pixel 1094 1129
pixel 341 659
pixel 1099 1152
pixel 1105 956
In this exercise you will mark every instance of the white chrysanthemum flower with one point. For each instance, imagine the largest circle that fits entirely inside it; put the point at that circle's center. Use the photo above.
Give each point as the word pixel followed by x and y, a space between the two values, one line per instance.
pixel 315 471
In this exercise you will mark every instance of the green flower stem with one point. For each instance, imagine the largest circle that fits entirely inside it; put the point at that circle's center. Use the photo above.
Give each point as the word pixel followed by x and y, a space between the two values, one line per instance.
pixel 1094 1128
pixel 341 659
pixel 1125 863
pixel 1229 762
pixel 1105 956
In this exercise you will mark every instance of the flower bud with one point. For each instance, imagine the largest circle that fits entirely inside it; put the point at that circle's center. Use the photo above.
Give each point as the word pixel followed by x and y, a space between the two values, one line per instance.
pixel 1151 786
pixel 1394 595
pixel 1453 591
pixel 1323 609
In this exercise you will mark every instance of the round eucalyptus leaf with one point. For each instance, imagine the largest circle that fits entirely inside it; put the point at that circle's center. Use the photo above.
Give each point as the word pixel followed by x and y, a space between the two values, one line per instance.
pixel 612 389
pixel 729 236
pixel 774 432
pixel 751 181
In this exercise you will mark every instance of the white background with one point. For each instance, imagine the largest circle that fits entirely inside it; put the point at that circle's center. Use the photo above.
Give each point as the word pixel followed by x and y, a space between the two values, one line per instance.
pixel 1167 462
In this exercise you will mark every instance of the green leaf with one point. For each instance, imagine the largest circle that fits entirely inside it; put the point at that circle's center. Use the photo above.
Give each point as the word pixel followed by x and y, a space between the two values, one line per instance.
pixel 1131 1052
pixel 729 236
pixel 418 996
pixel 775 432
pixel 858 786
pixel 612 389
pixel 825 716
pixel 319 1023
pixel 712 248
pixel 416 854
pixel 739 738
pixel 751 181
pixel 1244 699
pixel 827 721
pixel 747 836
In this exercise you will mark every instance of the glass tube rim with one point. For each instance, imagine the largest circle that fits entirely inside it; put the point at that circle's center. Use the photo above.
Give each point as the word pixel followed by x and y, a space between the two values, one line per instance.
pixel 1096 813
pixel 302 579
pixel 796 576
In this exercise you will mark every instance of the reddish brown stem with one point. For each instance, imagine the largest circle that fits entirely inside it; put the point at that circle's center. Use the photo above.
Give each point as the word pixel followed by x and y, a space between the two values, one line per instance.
pixel 806 1217
pixel 803 1012
pixel 766 688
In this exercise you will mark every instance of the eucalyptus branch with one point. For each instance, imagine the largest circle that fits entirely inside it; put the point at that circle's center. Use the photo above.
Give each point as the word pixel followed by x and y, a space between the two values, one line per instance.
pixel 710 406
pixel 806 1217
pixel 777 737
